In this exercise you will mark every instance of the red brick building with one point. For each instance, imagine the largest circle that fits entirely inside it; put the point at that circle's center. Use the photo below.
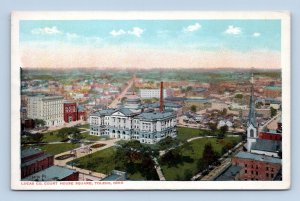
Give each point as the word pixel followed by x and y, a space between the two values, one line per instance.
pixel 270 136
pixel 72 112
pixel 256 167
pixel 272 91
pixel 34 160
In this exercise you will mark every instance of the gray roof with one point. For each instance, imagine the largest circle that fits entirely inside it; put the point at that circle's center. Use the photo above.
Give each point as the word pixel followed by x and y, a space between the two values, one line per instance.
pixel 53 173
pixel 30 152
pixel 157 105
pixel 103 112
pixel 229 174
pixel 40 158
pixel 152 116
pixel 198 100
pixel 125 111
pixel 266 145
pixel 174 98
pixel 258 157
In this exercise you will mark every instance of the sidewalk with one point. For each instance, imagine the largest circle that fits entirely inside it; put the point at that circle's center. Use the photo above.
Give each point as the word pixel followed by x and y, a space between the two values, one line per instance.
pixel 81 152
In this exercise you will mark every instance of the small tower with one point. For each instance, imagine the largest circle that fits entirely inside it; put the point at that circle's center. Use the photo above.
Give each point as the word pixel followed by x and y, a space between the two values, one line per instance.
pixel 252 127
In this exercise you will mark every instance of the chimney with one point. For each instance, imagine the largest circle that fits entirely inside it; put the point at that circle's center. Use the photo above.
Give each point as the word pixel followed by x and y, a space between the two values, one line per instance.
pixel 161 107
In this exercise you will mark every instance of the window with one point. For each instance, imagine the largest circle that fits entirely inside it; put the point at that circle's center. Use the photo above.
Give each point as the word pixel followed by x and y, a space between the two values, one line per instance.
pixel 267 174
pixel 245 171
pixel 246 165
pixel 251 133
pixel 267 168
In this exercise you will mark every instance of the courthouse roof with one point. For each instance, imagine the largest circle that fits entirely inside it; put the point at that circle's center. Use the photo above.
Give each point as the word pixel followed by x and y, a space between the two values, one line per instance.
pixel 151 116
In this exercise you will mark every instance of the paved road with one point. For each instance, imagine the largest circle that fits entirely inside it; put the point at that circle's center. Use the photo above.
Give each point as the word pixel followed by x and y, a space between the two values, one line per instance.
pixel 158 170
pixel 115 102
pixel 217 171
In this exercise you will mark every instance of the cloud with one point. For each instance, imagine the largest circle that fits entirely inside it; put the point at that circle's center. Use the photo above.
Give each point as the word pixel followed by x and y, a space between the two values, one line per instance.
pixel 256 34
pixel 71 36
pixel 192 28
pixel 119 32
pixel 46 31
pixel 136 31
pixel 233 30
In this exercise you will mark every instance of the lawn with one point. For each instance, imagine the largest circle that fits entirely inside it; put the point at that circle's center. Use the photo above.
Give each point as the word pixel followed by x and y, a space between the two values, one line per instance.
pixel 186 133
pixel 87 126
pixel 87 136
pixel 193 151
pixel 51 137
pixel 103 162
pixel 58 148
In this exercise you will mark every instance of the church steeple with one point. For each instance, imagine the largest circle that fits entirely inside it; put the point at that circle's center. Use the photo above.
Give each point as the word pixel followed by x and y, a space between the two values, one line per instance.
pixel 251 115
pixel 252 127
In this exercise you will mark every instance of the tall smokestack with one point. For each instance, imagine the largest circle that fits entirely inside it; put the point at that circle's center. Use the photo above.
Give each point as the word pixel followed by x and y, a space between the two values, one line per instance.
pixel 161 108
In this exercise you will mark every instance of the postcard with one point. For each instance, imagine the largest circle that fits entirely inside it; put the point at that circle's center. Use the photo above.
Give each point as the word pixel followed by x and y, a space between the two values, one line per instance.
pixel 166 100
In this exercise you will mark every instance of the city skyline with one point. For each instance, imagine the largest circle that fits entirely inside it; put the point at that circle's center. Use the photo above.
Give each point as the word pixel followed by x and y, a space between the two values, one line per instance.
pixel 150 43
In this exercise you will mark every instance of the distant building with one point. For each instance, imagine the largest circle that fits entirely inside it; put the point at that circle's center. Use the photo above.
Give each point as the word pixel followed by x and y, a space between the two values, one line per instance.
pixel 152 93
pixel 132 102
pixel 272 91
pixel 46 107
pixel 200 103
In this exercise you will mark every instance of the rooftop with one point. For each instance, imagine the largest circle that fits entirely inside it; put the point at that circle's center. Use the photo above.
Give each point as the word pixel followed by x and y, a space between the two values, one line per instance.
pixel 197 100
pixel 155 115
pixel 273 87
pixel 40 158
pixel 266 145
pixel 53 173
pixel 258 157
pixel 103 112
pixel 229 174
pixel 29 152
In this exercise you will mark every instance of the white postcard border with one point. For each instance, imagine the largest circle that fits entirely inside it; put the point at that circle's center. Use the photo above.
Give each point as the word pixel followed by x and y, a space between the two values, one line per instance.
pixel 284 16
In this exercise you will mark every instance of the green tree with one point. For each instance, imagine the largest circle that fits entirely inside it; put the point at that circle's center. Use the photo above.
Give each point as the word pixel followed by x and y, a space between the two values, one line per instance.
pixel 40 122
pixel 189 88
pixel 193 108
pixel 223 130
pixel 123 100
pixel 239 96
pixel 273 111
pixel 209 155
pixel 212 127
pixel 224 112
pixel 187 175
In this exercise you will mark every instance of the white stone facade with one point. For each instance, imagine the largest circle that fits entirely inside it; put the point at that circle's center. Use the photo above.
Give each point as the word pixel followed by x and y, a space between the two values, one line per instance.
pixel 47 108
pixel 145 127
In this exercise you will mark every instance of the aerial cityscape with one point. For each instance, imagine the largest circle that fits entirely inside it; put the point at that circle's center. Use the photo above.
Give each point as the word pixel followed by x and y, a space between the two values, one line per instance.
pixel 184 100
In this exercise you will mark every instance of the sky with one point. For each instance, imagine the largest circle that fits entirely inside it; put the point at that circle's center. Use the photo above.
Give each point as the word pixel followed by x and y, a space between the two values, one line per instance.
pixel 150 43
